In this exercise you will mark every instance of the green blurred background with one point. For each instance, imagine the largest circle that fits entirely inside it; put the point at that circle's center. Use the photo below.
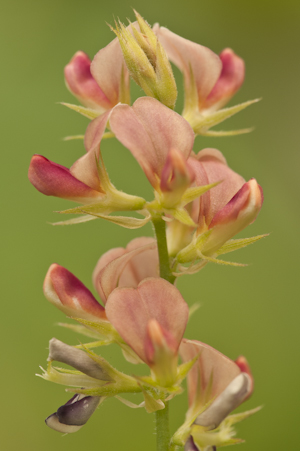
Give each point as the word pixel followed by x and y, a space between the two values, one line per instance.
pixel 252 311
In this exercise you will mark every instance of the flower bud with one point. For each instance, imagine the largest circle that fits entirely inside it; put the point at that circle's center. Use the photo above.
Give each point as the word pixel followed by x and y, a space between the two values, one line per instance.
pixel 67 293
pixel 82 84
pixel 71 416
pixel 147 62
pixel 241 211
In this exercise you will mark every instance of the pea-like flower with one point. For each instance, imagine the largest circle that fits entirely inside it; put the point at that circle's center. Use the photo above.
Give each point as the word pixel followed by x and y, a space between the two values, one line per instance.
pixel 220 213
pixel 216 386
pixel 86 181
pixel 102 83
pixel 209 80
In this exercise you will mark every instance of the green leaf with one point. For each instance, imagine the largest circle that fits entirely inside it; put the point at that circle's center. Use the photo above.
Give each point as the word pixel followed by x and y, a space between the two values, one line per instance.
pixel 77 220
pixel 87 112
pixel 233 245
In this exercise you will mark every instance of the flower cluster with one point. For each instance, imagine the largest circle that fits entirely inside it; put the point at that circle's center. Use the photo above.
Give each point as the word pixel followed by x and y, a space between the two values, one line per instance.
pixel 199 205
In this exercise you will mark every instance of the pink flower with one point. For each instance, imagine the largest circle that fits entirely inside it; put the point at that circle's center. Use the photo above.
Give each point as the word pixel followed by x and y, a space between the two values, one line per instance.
pixel 150 130
pixel 80 183
pixel 101 84
pixel 216 386
pixel 225 210
pixel 210 80
pixel 151 319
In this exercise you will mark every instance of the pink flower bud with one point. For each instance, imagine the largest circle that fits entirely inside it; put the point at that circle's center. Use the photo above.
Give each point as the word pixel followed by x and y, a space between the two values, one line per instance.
pixel 240 211
pixel 82 84
pixel 229 82
pixel 210 166
pixel 52 179
pixel 67 293
pixel 127 267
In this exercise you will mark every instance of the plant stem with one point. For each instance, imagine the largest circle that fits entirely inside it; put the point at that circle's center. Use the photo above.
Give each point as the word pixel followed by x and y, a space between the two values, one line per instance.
pixel 162 416
pixel 164 261
pixel 162 428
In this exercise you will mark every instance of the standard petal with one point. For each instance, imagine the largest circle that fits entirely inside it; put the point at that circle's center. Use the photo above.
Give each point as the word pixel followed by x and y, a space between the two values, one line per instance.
pixel 210 166
pixel 71 416
pixel 82 84
pixel 198 63
pixel 121 267
pixel 211 374
pixel 110 72
pixel 229 82
pixel 53 179
pixel 150 130
pixel 130 311
pixel 67 293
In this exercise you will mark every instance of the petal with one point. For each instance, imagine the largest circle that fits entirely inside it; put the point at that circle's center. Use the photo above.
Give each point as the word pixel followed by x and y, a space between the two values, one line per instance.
pixel 240 211
pixel 71 416
pixel 229 82
pixel 76 358
pixel 121 267
pixel 150 130
pixel 233 395
pixel 67 293
pixel 82 84
pixel 86 169
pixel 130 311
pixel 110 72
pixel 210 166
pixel 55 180
pixel 245 368
pixel 211 364
pixel 194 60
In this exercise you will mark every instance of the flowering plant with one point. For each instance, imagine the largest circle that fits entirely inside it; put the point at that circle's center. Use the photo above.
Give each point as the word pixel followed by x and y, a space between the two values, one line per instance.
pixel 199 205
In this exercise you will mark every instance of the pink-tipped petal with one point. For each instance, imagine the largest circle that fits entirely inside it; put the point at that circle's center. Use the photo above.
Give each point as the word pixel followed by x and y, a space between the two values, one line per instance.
pixel 53 179
pixel 229 82
pixel 150 130
pixel 240 212
pixel 189 57
pixel 210 364
pixel 210 166
pixel 108 68
pixel 67 293
pixel 85 169
pixel 126 267
pixel 176 174
pixel 82 84
pixel 130 310
pixel 243 365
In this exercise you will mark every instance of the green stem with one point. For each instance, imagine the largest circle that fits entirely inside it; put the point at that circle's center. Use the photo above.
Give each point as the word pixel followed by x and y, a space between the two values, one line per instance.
pixel 162 428
pixel 164 260
pixel 162 416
